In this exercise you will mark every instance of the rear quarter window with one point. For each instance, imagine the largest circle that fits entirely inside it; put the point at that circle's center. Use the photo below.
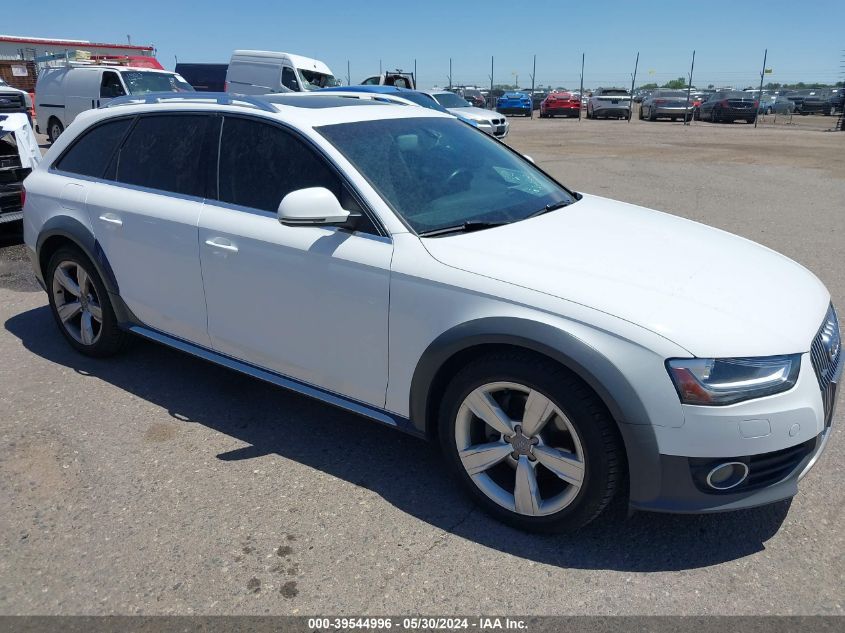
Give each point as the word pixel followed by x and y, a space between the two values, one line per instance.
pixel 165 152
pixel 91 152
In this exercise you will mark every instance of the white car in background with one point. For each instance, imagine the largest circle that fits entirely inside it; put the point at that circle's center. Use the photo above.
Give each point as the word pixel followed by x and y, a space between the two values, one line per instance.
pixel 562 348
pixel 607 103
pixel 488 121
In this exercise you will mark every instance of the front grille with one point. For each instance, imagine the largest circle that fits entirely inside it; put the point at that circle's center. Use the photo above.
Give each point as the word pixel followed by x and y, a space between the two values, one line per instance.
pixel 826 356
pixel 763 470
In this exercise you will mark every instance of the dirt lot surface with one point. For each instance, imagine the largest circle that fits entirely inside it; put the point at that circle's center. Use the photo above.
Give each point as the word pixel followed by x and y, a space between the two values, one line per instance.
pixel 155 483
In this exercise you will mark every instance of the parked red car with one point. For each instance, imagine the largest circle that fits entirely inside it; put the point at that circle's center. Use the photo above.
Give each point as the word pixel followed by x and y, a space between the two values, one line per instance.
pixel 565 103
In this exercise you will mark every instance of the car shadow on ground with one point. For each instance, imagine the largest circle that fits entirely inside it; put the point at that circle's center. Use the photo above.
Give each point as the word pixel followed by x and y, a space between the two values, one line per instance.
pixel 405 471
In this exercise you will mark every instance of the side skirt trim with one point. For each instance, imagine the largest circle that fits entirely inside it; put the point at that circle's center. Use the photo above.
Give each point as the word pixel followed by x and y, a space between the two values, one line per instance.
pixel 292 384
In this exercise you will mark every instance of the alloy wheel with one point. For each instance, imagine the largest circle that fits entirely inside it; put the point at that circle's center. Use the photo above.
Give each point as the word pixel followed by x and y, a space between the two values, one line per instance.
pixel 77 303
pixel 519 448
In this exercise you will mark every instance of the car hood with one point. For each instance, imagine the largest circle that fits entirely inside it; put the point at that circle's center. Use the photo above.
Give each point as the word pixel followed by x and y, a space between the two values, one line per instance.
pixel 711 292
pixel 476 114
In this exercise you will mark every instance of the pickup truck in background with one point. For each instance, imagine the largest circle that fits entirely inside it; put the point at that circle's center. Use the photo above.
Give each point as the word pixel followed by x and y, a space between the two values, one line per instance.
pixel 395 78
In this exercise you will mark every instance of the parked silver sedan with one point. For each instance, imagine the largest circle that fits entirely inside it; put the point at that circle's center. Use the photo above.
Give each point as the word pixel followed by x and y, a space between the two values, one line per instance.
pixel 488 121
pixel 670 104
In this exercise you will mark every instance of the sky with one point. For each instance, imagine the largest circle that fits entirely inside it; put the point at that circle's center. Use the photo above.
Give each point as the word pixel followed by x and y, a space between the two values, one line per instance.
pixel 804 42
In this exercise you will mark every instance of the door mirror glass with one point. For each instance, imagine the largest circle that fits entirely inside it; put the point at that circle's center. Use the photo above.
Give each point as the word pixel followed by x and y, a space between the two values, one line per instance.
pixel 314 206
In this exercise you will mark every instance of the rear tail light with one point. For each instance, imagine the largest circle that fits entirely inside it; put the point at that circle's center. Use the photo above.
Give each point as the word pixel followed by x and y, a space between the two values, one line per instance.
pixel 659 101
pixel 225 86
pixel 756 104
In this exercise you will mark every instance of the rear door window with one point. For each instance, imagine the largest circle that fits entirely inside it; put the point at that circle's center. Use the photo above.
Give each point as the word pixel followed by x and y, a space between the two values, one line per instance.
pixel 165 152
pixel 90 154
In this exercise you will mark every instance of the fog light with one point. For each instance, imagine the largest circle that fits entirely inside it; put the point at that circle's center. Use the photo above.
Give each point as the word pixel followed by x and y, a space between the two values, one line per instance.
pixel 727 476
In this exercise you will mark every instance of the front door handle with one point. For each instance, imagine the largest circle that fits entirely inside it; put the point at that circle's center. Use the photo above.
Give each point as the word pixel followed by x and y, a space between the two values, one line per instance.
pixel 111 218
pixel 223 244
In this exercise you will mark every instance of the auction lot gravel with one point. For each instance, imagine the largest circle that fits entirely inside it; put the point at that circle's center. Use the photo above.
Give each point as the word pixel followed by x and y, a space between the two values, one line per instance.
pixel 156 483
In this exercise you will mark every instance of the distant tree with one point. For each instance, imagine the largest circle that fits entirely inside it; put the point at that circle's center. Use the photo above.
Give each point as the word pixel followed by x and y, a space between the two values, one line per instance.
pixel 710 86
pixel 675 84
pixel 650 86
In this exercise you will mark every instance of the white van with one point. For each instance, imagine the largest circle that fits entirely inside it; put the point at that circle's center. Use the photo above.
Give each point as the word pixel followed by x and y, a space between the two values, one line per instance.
pixel 264 72
pixel 62 92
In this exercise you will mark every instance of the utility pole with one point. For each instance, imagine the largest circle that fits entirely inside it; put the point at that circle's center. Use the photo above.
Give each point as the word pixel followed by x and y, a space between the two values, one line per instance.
pixel 533 73
pixel 348 79
pixel 450 72
pixel 633 81
pixel 379 67
pixel 687 113
pixel 581 95
pixel 760 93
pixel 415 74
pixel 491 102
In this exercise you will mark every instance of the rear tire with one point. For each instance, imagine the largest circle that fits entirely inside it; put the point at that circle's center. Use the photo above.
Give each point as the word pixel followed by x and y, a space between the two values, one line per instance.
pixel 54 129
pixel 557 475
pixel 81 305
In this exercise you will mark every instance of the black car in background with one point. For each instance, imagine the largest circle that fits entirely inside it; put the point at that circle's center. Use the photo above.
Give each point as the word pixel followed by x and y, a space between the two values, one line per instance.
pixel 728 106
pixel 474 97
pixel 204 77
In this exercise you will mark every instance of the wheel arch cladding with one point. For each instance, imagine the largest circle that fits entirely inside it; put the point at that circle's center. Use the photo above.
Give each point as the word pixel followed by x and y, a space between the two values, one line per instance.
pixel 454 348
pixel 61 231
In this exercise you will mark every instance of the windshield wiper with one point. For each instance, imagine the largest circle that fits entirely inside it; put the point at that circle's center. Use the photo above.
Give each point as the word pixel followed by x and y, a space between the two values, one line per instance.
pixel 552 206
pixel 466 227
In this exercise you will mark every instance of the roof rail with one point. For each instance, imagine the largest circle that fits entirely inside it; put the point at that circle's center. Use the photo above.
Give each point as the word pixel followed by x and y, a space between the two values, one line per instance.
pixel 221 98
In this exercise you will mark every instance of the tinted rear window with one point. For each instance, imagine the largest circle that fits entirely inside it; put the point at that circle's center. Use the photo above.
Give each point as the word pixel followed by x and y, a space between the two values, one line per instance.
pixel 164 152
pixel 90 154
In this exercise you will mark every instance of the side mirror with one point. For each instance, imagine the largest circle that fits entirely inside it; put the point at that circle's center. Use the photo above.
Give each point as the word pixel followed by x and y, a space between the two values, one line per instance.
pixel 315 206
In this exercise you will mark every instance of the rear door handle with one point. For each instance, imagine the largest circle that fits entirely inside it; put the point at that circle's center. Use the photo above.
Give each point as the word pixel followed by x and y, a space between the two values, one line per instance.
pixel 111 218
pixel 223 244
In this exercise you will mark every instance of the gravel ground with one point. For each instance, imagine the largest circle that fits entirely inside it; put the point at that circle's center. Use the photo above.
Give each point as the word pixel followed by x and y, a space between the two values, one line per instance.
pixel 155 483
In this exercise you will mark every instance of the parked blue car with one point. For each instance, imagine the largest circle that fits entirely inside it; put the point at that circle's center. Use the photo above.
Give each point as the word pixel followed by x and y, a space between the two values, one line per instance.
pixel 514 103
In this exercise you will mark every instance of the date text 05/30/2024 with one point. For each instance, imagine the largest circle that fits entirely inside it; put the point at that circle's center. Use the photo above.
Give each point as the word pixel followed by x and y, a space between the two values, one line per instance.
pixel 418 623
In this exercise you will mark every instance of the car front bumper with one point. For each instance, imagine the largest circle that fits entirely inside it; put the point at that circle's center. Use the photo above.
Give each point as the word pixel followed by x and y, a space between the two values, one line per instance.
pixel 778 438
pixel 500 131
pixel 683 489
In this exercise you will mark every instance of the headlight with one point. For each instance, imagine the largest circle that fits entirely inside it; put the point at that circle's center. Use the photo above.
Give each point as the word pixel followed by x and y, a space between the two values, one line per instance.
pixel 720 381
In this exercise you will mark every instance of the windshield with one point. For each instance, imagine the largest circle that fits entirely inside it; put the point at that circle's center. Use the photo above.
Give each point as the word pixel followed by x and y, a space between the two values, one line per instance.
pixel 314 80
pixel 438 173
pixel 422 100
pixel 451 100
pixel 140 82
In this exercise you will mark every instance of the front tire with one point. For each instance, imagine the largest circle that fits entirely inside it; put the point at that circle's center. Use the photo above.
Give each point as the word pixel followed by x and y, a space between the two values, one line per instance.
pixel 531 443
pixel 81 306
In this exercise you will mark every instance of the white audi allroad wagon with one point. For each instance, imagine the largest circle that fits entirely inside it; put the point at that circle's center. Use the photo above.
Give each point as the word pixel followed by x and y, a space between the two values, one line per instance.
pixel 562 348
